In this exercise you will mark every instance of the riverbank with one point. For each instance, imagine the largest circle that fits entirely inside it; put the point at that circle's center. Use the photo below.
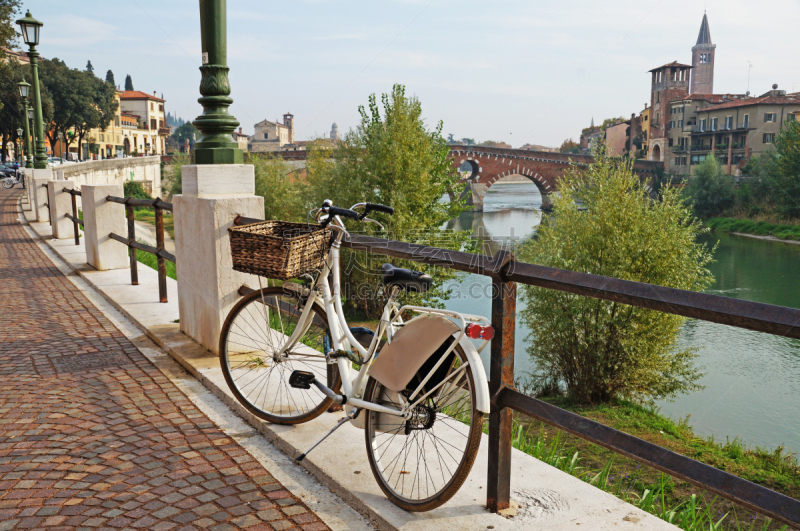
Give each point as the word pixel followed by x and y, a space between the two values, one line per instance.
pixel 627 479
pixel 763 229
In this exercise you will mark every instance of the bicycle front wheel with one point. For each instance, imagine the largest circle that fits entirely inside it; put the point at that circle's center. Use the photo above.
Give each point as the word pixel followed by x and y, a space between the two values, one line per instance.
pixel 8 182
pixel 420 463
pixel 257 365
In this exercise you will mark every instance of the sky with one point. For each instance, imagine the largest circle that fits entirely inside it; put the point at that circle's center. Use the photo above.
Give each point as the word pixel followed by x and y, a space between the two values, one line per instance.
pixel 527 71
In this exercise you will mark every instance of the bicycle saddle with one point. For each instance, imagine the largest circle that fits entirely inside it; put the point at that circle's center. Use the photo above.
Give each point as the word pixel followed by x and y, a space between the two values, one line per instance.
pixel 406 278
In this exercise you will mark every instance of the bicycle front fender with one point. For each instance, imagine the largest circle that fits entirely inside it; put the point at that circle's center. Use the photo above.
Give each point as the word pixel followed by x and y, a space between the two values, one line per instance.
pixel 482 398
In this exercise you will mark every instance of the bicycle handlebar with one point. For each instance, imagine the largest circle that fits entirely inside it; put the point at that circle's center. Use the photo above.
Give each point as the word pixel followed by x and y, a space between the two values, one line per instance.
pixel 344 212
pixel 378 208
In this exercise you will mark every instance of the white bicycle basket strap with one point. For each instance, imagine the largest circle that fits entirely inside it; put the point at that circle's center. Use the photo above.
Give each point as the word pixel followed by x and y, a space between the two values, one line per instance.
pixel 411 346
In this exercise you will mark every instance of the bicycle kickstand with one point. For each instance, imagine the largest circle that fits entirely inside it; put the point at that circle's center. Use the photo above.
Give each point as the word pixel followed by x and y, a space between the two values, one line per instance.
pixel 338 425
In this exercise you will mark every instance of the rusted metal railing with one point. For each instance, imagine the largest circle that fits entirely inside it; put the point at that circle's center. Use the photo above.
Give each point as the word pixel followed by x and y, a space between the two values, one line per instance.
pixel 505 273
pixel 161 254
pixel 76 221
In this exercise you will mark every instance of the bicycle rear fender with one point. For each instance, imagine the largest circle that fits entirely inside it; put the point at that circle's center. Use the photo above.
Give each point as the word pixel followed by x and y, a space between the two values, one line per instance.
pixel 414 344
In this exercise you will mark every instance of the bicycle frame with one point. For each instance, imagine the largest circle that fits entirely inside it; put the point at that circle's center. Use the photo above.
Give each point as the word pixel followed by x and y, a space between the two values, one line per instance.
pixel 353 385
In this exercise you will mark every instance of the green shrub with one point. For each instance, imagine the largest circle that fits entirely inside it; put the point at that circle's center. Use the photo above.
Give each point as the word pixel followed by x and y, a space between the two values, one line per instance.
pixel 600 350
pixel 710 191
pixel 135 190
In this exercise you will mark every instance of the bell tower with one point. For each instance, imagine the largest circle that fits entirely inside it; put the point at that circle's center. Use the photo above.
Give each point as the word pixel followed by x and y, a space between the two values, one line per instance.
pixel 703 61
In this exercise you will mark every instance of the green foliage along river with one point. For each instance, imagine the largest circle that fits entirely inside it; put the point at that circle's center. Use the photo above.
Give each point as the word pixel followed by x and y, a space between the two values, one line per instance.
pixel 752 380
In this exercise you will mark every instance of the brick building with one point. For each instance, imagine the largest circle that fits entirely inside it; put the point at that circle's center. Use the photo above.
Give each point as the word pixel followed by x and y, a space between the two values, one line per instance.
pixel 669 82
pixel 703 54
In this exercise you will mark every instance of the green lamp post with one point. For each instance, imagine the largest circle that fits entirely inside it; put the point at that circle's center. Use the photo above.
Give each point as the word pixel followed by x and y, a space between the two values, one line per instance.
pixel 24 93
pixel 30 34
pixel 29 163
pixel 216 125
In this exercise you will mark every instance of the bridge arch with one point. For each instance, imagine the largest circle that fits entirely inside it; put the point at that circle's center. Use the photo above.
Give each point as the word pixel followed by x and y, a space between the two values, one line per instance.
pixel 471 166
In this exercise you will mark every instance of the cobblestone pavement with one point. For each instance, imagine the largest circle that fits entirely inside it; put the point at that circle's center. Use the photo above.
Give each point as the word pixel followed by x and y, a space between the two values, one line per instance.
pixel 93 436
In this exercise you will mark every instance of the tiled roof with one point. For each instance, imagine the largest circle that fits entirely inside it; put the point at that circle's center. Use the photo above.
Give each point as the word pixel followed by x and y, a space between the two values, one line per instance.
pixel 764 100
pixel 673 63
pixel 714 98
pixel 139 95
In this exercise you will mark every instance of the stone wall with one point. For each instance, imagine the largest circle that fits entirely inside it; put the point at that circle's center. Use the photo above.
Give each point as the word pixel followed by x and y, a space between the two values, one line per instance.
pixel 114 171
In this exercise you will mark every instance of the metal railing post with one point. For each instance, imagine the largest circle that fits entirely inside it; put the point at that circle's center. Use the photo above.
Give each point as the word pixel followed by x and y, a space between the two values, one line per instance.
pixel 501 376
pixel 131 250
pixel 75 218
pixel 162 264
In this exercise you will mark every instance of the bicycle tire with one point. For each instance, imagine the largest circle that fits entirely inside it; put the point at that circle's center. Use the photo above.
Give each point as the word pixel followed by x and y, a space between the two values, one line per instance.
pixel 8 183
pixel 241 331
pixel 380 463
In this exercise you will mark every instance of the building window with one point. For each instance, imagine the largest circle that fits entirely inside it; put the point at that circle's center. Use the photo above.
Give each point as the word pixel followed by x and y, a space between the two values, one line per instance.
pixel 658 97
pixel 703 125
pixel 729 122
pixel 671 124
pixel 161 107
pixel 116 121
pixel 746 121
pixel 791 118
pixel 266 136
pixel 769 138
pixel 646 117
pixel 769 117
pixel 680 123
pixel 714 124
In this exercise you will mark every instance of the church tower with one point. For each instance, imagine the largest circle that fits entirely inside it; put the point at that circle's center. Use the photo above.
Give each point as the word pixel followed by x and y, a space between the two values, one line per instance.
pixel 703 62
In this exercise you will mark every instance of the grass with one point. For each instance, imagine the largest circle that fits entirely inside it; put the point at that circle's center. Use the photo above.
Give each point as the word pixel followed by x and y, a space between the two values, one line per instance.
pixel 760 228
pixel 148 215
pixel 151 261
pixel 666 497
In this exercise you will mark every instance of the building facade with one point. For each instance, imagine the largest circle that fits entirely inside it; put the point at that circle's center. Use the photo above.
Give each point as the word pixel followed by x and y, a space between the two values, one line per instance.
pixel 732 127
pixel 241 139
pixel 669 82
pixel 272 136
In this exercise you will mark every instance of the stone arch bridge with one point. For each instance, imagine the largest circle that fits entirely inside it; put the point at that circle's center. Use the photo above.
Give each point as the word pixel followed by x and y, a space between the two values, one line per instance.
pixel 490 165
pixel 543 168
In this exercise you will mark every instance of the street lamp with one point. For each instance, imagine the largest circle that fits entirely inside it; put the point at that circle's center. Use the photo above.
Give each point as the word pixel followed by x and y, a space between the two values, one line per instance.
pixel 24 93
pixel 30 33
pixel 216 125
pixel 60 144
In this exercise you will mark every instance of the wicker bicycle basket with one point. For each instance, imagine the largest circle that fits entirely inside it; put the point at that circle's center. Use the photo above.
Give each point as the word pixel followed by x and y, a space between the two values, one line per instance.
pixel 279 249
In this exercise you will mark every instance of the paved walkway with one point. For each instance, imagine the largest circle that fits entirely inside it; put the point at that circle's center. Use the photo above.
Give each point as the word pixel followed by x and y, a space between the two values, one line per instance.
pixel 93 436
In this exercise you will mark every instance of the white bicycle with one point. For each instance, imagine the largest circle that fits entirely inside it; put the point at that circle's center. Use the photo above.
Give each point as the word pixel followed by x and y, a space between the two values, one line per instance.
pixel 419 391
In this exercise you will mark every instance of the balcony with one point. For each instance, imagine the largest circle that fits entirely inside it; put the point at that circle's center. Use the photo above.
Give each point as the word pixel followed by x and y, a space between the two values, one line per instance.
pixel 744 125
pixel 739 145
pixel 678 149
pixel 722 146
pixel 164 131
pixel 701 147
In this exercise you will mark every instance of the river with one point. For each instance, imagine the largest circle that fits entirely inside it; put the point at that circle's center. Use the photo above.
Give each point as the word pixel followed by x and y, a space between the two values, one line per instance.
pixel 752 380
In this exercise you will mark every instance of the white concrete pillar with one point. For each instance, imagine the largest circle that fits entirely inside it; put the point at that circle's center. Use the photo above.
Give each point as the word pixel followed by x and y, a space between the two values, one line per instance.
pixel 28 187
pixel 100 218
pixel 39 193
pixel 213 195
pixel 61 205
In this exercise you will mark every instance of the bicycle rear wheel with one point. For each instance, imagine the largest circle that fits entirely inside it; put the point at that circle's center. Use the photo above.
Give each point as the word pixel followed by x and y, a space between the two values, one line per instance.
pixel 8 182
pixel 256 365
pixel 421 463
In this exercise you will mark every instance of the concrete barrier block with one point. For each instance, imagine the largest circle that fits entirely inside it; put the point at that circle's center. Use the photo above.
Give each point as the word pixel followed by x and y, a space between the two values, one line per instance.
pixel 207 284
pixel 60 205
pixel 100 218
pixel 39 181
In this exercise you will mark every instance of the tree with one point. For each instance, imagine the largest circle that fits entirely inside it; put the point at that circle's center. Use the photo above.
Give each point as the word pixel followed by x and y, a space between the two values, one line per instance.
pixel 391 158
pixel 607 224
pixel 97 106
pixel 8 26
pixel 710 191
pixel 128 82
pixel 110 78
pixel 184 133
pixel 569 146
pixel 786 176
pixel 281 188
pixel 11 111
pixel 89 67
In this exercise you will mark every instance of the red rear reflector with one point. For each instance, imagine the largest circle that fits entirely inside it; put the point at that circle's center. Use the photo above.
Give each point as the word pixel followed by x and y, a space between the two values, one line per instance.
pixel 476 331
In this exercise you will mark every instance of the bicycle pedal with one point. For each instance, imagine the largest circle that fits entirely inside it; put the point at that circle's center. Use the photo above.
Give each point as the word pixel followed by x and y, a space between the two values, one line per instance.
pixel 301 379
